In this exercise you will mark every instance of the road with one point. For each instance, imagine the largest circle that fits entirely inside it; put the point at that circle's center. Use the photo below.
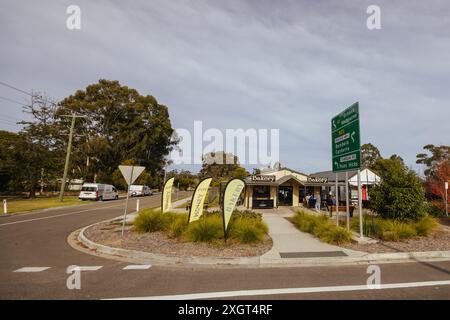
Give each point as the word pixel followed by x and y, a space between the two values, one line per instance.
pixel 40 240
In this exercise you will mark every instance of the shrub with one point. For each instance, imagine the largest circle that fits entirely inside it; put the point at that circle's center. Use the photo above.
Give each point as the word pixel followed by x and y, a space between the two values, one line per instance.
pixel 336 235
pixel 400 195
pixel 178 226
pixel 425 226
pixel 206 229
pixel 397 230
pixel 321 227
pixel 152 220
pixel 393 230
pixel 247 230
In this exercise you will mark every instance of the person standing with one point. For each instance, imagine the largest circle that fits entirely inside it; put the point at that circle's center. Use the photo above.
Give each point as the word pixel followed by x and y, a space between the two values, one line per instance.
pixel 317 197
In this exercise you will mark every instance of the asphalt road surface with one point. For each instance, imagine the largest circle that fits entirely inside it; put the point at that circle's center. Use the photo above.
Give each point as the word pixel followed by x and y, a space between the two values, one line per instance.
pixel 35 256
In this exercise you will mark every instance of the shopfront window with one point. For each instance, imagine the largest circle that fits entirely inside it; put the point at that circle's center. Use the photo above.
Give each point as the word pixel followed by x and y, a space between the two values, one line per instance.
pixel 261 192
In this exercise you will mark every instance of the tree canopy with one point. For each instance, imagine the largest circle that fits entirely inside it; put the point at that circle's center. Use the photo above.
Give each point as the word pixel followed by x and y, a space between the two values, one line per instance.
pixel 400 194
pixel 114 125
pixel 369 155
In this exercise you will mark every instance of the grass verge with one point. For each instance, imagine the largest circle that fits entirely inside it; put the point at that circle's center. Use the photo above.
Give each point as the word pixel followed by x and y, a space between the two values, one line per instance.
pixel 23 205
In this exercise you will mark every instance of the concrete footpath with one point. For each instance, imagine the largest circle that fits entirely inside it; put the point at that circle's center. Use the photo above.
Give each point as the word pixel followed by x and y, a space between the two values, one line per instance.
pixel 290 243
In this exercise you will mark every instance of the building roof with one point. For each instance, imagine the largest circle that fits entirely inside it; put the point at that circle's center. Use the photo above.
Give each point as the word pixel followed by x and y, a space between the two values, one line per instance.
pixel 287 178
pixel 331 176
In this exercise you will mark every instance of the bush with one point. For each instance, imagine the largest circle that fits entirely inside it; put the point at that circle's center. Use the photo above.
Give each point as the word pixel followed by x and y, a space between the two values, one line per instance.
pixel 397 230
pixel 247 230
pixel 425 226
pixel 436 208
pixel 207 229
pixel 321 227
pixel 393 230
pixel 178 226
pixel 400 195
pixel 153 220
pixel 336 235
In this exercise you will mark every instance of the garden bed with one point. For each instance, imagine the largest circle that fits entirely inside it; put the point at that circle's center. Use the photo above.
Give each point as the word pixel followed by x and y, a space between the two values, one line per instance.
pixel 109 234
pixel 438 240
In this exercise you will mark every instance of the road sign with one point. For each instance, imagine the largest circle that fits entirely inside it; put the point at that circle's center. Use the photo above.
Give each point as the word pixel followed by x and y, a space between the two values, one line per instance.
pixel 346 140
pixel 130 173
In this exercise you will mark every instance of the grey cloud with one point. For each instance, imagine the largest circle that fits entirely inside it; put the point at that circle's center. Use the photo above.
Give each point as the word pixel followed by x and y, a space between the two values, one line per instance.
pixel 290 65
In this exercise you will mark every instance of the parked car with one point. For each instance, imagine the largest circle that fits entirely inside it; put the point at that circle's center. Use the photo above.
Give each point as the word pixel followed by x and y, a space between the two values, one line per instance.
pixel 98 191
pixel 138 190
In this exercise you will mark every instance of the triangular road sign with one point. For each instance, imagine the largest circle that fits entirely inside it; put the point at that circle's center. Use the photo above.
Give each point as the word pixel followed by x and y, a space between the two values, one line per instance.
pixel 130 173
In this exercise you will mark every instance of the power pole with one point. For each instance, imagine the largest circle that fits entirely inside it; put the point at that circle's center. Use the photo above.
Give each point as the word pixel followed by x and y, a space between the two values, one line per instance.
pixel 69 149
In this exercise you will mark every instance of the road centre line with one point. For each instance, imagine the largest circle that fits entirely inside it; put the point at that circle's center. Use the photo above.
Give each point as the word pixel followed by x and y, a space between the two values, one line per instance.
pixel 262 292
pixel 55 216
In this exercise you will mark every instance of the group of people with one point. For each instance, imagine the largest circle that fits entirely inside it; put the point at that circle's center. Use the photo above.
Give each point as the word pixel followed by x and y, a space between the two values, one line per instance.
pixel 314 200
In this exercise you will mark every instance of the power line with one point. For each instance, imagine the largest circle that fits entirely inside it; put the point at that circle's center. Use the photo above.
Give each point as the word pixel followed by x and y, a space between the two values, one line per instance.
pixel 7 116
pixel 27 93
pixel 17 89
pixel 13 101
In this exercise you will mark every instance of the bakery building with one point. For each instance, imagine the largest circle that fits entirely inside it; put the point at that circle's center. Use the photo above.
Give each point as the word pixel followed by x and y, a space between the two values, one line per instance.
pixel 272 188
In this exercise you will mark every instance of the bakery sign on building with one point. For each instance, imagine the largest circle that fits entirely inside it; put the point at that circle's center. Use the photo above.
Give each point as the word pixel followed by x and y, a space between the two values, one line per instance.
pixel 286 187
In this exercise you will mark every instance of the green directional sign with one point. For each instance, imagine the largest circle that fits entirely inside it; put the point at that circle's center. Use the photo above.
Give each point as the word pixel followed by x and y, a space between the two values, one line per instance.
pixel 346 140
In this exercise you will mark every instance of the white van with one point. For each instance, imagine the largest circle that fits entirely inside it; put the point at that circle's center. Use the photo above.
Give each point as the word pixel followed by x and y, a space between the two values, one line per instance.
pixel 138 190
pixel 97 191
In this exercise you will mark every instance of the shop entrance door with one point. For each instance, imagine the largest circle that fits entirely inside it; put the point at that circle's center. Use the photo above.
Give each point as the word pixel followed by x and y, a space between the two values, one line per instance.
pixel 285 196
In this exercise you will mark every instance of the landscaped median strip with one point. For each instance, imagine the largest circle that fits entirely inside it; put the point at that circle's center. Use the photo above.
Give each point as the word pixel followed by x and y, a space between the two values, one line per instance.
pixel 265 292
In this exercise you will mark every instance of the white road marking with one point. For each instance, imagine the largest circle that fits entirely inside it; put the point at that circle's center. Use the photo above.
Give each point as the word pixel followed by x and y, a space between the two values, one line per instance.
pixel 57 216
pixel 137 267
pixel 262 292
pixel 31 269
pixel 87 268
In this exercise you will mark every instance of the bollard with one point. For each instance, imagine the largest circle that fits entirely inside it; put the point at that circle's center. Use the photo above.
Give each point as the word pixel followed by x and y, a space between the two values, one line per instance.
pixel 5 206
pixel 137 205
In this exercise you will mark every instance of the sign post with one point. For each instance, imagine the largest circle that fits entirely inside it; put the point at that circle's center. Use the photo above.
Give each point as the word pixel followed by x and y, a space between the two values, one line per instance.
pixel 346 149
pixel 337 199
pixel 347 205
pixel 130 174
pixel 446 200
pixel 5 206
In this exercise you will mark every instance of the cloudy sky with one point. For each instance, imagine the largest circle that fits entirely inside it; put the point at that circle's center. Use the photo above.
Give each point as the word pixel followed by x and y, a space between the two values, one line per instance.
pixel 289 65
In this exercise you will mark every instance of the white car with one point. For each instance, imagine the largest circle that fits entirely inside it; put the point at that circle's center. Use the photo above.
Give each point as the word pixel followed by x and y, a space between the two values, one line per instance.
pixel 98 191
pixel 138 190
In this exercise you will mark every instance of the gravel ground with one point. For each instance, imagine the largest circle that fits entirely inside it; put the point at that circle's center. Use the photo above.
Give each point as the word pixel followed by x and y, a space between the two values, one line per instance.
pixel 439 240
pixel 109 234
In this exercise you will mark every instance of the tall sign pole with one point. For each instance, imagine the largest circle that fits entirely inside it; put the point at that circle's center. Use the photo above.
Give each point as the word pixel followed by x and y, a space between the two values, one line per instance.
pixel 337 199
pixel 347 205
pixel 346 148
pixel 446 200
pixel 360 205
